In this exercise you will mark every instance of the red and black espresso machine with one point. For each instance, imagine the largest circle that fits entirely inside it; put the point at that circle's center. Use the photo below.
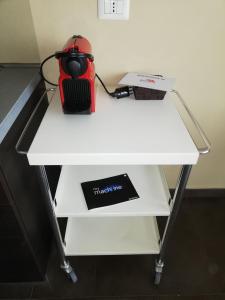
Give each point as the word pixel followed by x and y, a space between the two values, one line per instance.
pixel 77 76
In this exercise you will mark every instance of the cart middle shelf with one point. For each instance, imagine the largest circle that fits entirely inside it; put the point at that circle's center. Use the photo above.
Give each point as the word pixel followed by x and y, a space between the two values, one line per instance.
pixel 149 182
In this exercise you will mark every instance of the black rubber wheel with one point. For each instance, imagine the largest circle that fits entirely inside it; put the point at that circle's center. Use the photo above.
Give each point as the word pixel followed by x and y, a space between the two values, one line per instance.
pixel 157 278
pixel 72 276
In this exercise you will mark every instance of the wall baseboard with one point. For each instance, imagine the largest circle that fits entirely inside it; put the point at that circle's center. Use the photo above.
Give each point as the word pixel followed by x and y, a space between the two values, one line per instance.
pixel 203 193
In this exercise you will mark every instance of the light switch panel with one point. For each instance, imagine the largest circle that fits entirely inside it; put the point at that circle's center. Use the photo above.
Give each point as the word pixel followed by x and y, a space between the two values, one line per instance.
pixel 113 9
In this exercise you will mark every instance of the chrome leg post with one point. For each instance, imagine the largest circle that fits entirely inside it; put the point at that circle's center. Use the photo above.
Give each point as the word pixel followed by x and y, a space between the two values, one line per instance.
pixel 175 206
pixel 65 265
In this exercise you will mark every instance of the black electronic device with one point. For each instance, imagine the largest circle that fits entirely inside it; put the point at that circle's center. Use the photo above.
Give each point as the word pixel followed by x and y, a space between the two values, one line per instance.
pixel 141 93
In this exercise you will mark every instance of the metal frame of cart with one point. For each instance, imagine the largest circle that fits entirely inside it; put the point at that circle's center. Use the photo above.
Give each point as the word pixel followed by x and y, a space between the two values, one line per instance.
pixel 174 203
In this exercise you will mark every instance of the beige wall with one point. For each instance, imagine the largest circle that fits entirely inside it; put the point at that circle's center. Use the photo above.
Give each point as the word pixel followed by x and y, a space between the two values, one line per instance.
pixel 180 38
pixel 17 38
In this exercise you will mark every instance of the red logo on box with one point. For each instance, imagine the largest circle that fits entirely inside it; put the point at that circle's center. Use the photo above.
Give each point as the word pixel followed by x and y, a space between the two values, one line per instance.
pixel 151 80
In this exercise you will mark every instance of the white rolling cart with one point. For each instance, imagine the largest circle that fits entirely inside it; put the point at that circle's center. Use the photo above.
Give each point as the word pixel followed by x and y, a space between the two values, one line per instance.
pixel 122 136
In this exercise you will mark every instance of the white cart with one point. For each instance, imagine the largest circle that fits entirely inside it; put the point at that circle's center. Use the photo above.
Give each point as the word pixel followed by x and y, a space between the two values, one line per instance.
pixel 123 136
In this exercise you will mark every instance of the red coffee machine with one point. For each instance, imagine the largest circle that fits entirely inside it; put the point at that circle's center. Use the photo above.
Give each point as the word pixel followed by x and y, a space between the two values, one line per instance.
pixel 77 76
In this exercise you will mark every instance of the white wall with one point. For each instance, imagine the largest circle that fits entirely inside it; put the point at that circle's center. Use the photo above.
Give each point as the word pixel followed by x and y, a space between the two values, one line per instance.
pixel 180 38
pixel 17 38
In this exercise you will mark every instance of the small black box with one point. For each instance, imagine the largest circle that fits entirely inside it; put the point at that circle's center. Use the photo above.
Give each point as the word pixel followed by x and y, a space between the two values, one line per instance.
pixel 141 93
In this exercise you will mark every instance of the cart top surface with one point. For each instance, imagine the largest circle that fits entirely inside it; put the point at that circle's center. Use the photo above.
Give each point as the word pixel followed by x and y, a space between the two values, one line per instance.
pixel 122 131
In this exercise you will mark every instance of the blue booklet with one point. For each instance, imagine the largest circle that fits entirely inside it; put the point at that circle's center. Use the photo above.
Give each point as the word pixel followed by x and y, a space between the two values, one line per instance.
pixel 108 191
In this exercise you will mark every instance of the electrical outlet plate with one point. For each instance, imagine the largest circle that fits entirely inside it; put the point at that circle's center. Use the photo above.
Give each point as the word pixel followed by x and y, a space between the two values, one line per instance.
pixel 113 9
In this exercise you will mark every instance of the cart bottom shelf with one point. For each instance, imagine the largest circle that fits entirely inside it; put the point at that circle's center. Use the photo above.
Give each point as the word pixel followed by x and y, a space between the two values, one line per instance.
pixel 111 236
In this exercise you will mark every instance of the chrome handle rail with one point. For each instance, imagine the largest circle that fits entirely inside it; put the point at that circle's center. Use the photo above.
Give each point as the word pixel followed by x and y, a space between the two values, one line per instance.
pixel 17 147
pixel 201 132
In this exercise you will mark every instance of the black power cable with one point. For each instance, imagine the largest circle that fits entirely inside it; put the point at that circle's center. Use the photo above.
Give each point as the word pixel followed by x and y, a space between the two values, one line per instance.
pixel 122 92
pixel 41 69
pixel 105 88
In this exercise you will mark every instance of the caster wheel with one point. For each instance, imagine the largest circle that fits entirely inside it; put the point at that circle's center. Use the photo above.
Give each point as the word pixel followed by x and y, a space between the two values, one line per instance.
pixel 157 278
pixel 72 276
